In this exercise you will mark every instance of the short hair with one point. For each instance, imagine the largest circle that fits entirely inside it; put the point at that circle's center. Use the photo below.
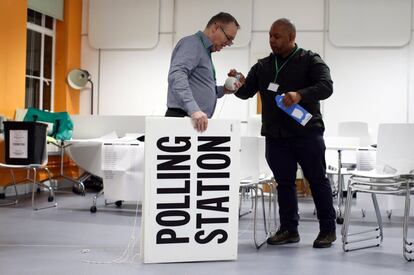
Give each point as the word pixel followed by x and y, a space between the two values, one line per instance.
pixel 287 23
pixel 224 18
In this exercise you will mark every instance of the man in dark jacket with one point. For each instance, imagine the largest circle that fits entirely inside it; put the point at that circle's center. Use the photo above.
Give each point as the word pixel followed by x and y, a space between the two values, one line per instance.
pixel 302 77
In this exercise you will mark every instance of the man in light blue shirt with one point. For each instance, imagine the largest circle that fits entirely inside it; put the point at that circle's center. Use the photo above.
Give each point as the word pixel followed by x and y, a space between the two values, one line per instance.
pixel 192 89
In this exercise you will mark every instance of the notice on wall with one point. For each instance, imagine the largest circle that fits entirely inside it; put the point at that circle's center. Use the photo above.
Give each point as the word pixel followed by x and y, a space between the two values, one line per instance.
pixel 18 144
pixel 123 168
pixel 191 191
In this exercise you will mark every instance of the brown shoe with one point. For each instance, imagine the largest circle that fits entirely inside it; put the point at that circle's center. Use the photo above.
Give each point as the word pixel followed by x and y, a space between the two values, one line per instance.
pixel 284 237
pixel 324 239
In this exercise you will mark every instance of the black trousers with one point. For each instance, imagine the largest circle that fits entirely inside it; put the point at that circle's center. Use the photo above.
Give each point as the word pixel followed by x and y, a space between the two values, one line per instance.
pixel 283 155
pixel 175 112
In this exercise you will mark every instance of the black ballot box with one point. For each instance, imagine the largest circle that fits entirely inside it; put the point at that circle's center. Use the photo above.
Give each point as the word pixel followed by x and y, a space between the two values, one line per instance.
pixel 25 142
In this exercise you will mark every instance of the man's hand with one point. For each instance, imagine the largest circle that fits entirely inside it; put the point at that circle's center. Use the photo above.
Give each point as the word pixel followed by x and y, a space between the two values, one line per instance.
pixel 200 121
pixel 291 98
pixel 237 85
pixel 238 75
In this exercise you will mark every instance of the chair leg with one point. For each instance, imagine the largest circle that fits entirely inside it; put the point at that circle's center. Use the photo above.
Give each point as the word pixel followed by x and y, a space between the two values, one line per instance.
pixel 34 184
pixel 347 218
pixel 379 219
pixel 61 175
pixel 258 244
pixel 366 235
pixel 407 246
pixel 95 199
pixel 273 190
pixel 13 183
pixel 242 196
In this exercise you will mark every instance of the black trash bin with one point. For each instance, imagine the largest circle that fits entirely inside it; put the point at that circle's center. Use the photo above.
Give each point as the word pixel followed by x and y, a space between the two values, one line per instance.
pixel 24 142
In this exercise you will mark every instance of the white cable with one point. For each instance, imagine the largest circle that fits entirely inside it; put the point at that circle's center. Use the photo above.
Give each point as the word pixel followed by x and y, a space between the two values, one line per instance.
pixel 222 105
pixel 127 256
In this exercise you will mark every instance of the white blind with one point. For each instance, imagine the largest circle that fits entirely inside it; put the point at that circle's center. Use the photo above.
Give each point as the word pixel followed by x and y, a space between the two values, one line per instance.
pixel 53 8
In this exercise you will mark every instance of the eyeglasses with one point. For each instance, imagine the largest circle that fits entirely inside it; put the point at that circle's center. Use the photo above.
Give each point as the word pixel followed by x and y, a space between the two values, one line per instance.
pixel 229 39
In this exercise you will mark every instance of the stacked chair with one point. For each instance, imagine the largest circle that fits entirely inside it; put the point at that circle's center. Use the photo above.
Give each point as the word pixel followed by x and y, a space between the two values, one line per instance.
pixel 393 175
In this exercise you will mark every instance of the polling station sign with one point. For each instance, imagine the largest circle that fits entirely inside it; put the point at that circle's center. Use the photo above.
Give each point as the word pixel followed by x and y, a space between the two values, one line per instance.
pixel 190 210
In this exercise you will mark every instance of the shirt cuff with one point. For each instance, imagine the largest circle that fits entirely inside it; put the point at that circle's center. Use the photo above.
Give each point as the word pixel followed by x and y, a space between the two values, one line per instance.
pixel 191 107
pixel 219 91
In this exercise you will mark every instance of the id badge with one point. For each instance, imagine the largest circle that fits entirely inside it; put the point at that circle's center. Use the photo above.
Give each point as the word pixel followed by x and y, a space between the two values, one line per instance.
pixel 273 87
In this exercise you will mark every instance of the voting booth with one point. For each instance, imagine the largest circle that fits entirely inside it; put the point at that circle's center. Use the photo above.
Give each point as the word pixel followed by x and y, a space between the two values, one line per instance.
pixel 190 209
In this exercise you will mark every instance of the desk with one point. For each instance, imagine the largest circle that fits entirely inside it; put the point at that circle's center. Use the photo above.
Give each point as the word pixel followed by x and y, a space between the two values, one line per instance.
pixel 339 144
pixel 101 158
pixel 339 149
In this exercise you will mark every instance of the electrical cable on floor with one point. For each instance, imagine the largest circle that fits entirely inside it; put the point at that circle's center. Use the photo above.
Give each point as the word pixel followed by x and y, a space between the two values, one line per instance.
pixel 127 256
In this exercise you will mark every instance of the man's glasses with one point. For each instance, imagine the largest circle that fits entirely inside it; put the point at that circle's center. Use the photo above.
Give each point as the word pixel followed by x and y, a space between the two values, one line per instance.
pixel 229 39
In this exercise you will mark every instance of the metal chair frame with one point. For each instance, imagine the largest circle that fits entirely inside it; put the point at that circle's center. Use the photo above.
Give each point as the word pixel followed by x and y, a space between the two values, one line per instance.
pixel 393 175
pixel 32 170
pixel 391 185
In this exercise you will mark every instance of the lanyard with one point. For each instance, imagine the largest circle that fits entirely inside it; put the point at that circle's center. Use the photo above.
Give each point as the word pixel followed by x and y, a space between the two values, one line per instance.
pixel 209 55
pixel 284 63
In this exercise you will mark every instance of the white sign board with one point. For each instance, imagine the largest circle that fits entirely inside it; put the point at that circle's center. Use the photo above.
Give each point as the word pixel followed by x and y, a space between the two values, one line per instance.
pixel 191 191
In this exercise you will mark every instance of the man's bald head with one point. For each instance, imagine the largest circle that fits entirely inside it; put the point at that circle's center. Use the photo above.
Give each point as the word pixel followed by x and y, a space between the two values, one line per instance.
pixel 282 36
pixel 286 24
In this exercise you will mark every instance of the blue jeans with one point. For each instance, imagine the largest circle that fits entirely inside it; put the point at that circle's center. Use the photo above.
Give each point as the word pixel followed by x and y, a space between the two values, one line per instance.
pixel 283 155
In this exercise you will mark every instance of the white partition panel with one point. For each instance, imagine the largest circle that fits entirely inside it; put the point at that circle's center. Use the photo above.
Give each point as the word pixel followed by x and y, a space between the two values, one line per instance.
pixel 135 82
pixel 369 85
pixel 260 47
pixel 123 24
pixel 85 14
pixel 410 102
pixel 305 14
pixel 193 15
pixel 89 62
pixel 370 23
pixel 167 16
pixel 311 41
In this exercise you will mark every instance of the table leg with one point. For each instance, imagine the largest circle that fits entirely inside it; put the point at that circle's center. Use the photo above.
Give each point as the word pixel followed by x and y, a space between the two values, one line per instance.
pixel 340 218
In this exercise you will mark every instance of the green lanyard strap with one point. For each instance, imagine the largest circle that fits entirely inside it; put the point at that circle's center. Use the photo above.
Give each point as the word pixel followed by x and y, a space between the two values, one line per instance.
pixel 284 63
pixel 209 55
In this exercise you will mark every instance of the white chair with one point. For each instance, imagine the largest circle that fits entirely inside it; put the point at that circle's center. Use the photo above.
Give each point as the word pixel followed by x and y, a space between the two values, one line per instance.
pixel 351 135
pixel 254 125
pixel 31 176
pixel 250 183
pixel 393 175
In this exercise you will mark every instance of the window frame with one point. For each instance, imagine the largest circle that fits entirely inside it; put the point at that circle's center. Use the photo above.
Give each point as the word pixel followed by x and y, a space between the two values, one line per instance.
pixel 43 30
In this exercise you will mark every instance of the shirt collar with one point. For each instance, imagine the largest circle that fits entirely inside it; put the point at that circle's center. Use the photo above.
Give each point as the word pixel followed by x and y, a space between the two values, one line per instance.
pixel 206 42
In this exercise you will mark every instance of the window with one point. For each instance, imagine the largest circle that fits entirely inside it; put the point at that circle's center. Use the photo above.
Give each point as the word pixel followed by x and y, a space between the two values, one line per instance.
pixel 40 50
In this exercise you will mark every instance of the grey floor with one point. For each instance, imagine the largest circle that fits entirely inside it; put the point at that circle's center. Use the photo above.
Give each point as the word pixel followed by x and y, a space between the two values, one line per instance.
pixel 71 240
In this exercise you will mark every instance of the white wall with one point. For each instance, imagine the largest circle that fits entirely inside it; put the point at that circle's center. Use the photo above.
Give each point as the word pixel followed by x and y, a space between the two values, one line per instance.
pixel 372 76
